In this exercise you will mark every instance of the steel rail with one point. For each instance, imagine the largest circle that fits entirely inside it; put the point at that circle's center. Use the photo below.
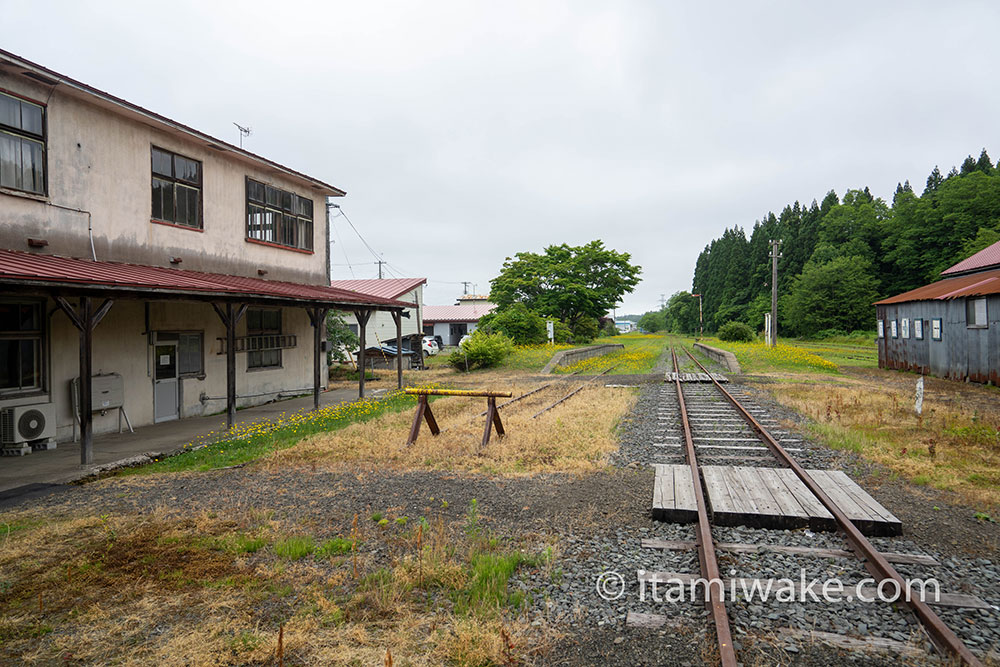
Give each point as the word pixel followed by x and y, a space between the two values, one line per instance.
pixel 574 392
pixel 942 636
pixel 703 538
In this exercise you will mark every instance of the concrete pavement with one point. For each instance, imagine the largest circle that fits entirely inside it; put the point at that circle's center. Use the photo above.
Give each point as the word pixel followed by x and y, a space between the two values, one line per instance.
pixel 62 465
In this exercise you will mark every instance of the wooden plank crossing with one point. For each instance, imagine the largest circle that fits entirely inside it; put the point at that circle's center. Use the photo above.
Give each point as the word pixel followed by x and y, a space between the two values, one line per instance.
pixel 776 498
pixel 695 377
pixel 673 494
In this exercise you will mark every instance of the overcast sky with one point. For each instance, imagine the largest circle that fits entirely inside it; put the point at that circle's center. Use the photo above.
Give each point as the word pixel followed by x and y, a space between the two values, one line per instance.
pixel 464 132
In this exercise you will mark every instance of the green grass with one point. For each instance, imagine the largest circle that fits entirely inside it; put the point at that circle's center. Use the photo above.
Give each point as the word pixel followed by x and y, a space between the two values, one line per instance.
pixel 295 547
pixel 250 441
pixel 640 355
pixel 334 547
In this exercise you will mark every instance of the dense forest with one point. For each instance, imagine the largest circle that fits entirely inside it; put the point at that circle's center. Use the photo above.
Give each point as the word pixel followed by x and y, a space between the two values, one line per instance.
pixel 842 253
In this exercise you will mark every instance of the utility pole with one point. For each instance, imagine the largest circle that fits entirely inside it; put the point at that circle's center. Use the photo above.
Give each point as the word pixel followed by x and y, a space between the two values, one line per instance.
pixel 663 301
pixel 775 256
pixel 465 286
pixel 701 327
pixel 380 263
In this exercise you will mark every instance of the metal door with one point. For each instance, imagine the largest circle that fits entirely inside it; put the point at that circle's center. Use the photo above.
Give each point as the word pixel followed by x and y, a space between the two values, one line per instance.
pixel 165 403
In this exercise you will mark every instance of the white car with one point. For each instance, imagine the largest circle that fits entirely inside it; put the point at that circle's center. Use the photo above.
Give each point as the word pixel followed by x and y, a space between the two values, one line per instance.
pixel 430 346
pixel 464 338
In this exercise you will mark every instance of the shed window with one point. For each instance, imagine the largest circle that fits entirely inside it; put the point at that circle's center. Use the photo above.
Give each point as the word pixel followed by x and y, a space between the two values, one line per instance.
pixel 936 328
pixel 918 329
pixel 894 329
pixel 975 313
pixel 22 145
pixel 881 328
pixel 905 327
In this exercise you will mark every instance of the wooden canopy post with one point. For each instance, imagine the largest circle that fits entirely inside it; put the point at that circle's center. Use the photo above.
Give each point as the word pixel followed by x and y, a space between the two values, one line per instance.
pixel 362 317
pixel 317 317
pixel 85 321
pixel 424 410
pixel 230 318
pixel 397 317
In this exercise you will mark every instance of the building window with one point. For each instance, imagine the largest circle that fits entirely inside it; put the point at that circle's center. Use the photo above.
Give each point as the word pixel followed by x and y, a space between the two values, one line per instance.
pixel 176 189
pixel 21 339
pixel 918 329
pixel 881 328
pixel 22 145
pixel 975 313
pixel 893 329
pixel 279 217
pixel 936 328
pixel 262 327
pixel 904 324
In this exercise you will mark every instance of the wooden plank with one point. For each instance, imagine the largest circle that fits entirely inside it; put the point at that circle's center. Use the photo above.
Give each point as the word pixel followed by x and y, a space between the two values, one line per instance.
pixel 720 502
pixel 869 643
pixel 815 552
pixel 684 489
pixel 819 517
pixel 858 515
pixel 888 524
pixel 789 506
pixel 767 506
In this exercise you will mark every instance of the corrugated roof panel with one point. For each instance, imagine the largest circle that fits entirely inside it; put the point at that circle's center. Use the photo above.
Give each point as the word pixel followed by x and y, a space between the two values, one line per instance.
pixel 17 266
pixel 976 284
pixel 987 257
pixel 468 313
pixel 388 288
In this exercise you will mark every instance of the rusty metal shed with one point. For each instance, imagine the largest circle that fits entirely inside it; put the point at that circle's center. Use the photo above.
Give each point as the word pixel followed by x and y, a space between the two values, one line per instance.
pixel 949 328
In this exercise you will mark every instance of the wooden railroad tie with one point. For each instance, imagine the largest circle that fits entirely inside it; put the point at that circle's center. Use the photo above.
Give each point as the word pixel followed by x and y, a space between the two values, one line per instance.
pixel 424 411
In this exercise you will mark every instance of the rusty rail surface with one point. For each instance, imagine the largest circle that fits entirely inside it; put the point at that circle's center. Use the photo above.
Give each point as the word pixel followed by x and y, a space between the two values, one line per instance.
pixel 703 538
pixel 942 636
pixel 573 393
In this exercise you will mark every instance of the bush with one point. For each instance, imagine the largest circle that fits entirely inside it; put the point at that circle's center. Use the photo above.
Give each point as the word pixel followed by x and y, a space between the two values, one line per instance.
pixel 736 332
pixel 523 326
pixel 561 331
pixel 585 330
pixel 481 350
pixel 609 328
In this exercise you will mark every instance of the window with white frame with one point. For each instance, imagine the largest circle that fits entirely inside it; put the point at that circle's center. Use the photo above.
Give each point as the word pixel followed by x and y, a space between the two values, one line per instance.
pixel 22 144
pixel 894 329
pixel 918 329
pixel 21 347
pixel 936 328
pixel 904 326
pixel 975 313
pixel 881 328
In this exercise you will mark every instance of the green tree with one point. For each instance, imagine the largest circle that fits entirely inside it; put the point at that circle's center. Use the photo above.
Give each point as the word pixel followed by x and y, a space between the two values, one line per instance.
pixel 572 283
pixel 340 337
pixel 837 294
pixel 653 321
pixel 682 313
pixel 523 326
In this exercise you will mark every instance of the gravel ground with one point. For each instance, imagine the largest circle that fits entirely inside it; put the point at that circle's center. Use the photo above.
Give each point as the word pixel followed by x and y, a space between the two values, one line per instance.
pixel 594 524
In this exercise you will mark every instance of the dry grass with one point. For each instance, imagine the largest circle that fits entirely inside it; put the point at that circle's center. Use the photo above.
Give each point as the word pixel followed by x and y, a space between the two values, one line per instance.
pixel 955 446
pixel 576 436
pixel 163 590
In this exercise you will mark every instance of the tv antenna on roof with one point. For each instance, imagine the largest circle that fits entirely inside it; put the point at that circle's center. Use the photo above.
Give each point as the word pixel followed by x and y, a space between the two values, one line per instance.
pixel 244 132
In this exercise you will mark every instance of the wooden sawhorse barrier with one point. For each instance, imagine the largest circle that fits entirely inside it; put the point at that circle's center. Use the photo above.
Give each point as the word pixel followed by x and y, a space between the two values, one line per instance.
pixel 424 410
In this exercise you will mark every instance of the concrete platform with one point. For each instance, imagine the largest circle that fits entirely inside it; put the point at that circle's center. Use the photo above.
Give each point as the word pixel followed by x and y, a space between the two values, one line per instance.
pixel 36 471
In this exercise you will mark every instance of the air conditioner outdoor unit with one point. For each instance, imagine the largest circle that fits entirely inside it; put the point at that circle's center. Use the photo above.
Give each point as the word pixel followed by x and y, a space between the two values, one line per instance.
pixel 26 426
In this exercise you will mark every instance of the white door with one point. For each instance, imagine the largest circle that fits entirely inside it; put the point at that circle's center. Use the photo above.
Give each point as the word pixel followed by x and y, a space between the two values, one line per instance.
pixel 165 403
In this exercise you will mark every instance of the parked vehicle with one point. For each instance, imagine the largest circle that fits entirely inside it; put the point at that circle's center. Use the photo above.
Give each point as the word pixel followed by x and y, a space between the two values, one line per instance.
pixel 436 339
pixel 430 346
pixel 464 338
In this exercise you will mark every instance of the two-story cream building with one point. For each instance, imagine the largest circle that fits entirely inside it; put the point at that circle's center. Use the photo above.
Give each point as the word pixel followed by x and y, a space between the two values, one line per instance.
pixel 181 273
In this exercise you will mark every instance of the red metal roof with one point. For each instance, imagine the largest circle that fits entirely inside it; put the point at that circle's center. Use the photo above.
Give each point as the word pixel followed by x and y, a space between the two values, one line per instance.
pixel 985 258
pixel 469 313
pixel 23 268
pixel 389 288
pixel 976 284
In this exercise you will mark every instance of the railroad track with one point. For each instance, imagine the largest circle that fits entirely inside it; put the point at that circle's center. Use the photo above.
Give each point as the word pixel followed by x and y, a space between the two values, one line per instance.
pixel 706 424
